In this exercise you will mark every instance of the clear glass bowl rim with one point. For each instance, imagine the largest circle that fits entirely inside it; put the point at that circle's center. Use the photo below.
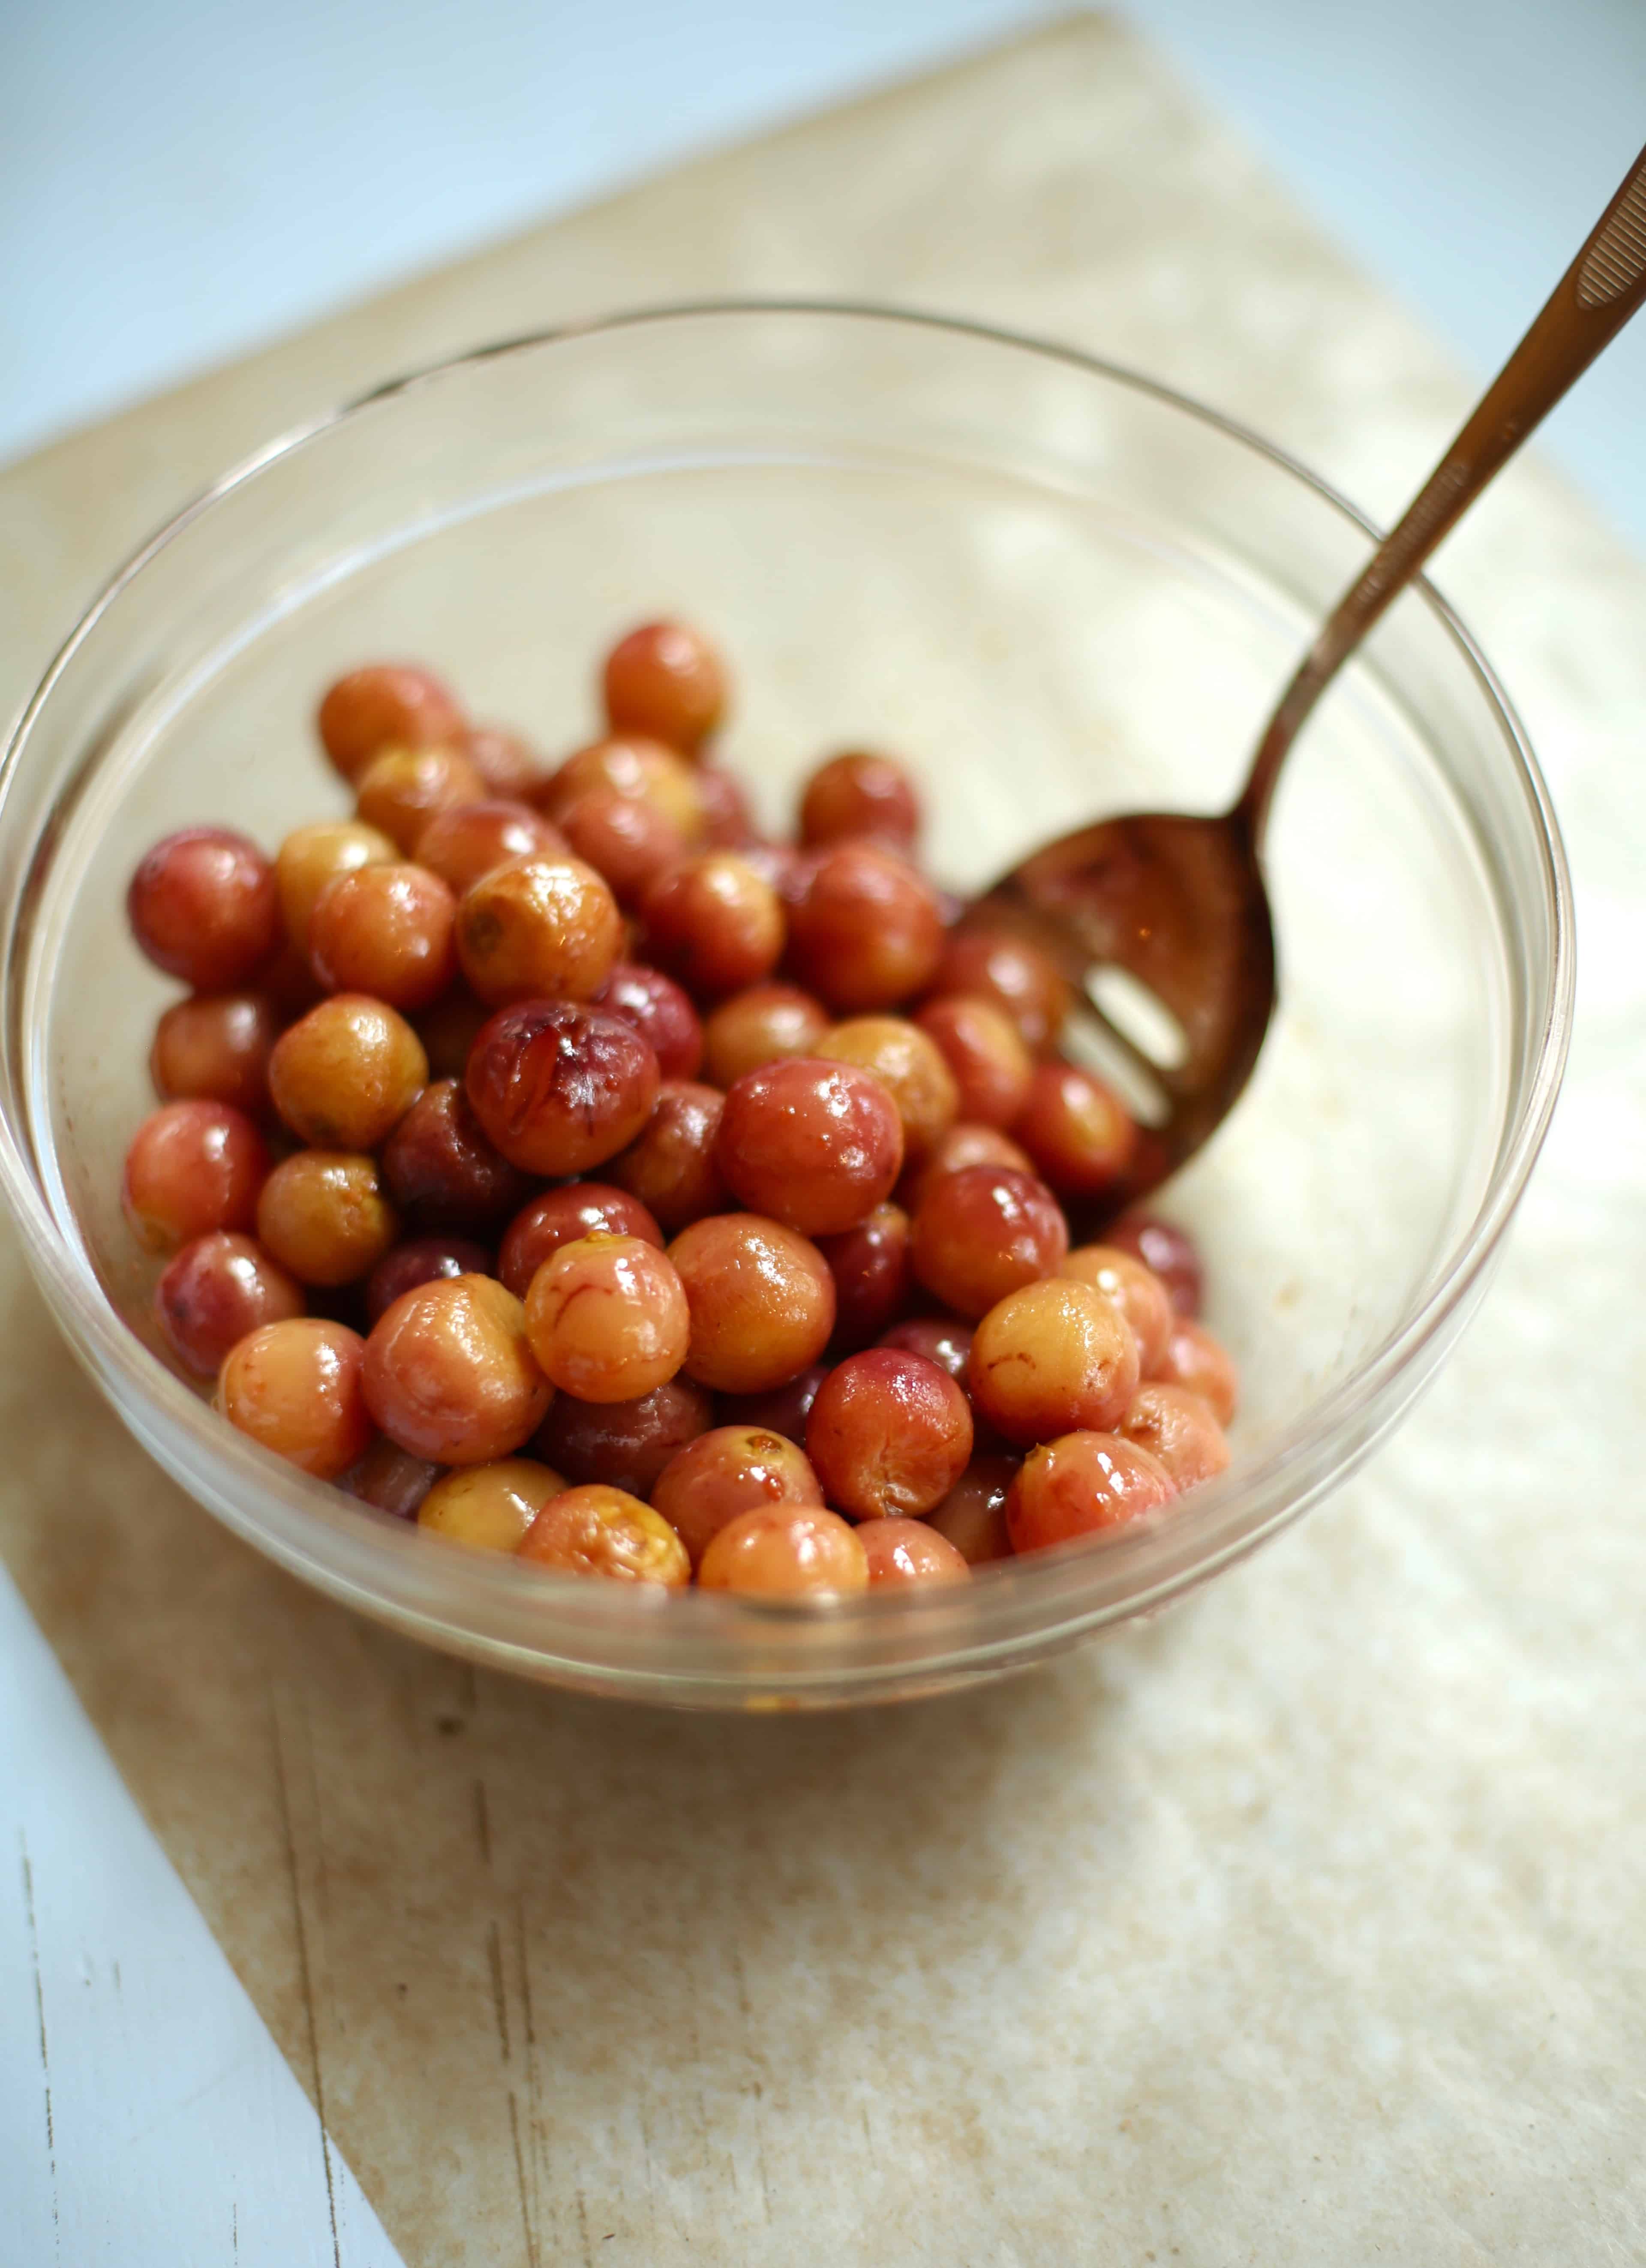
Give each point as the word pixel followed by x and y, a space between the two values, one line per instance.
pixel 720 1649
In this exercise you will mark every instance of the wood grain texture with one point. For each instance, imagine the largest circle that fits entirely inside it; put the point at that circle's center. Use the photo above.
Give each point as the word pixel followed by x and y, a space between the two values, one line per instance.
pixel 1305 1919
pixel 146 2117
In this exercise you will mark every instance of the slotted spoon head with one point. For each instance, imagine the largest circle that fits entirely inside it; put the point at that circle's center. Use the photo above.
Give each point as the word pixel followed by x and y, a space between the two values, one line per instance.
pixel 1176 903
pixel 1173 905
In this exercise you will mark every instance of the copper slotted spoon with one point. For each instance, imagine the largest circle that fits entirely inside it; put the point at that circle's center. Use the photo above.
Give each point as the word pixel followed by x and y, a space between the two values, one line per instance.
pixel 1167 910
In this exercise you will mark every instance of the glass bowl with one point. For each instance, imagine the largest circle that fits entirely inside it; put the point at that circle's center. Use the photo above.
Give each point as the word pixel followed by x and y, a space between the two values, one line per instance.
pixel 1059 589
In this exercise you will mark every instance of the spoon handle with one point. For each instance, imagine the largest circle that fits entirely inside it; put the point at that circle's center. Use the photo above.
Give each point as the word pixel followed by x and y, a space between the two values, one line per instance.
pixel 1588 308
